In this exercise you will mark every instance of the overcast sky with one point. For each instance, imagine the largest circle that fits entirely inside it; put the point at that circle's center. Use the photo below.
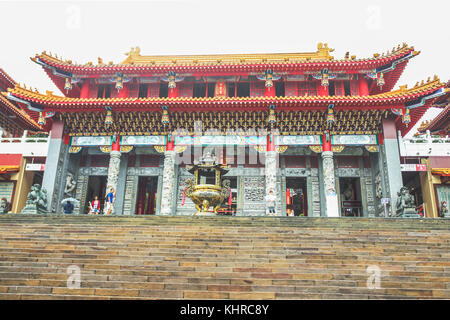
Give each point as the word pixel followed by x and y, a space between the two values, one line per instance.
pixel 82 31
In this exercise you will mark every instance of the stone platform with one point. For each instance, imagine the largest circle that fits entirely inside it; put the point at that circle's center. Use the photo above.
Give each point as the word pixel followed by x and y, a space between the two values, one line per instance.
pixel 179 257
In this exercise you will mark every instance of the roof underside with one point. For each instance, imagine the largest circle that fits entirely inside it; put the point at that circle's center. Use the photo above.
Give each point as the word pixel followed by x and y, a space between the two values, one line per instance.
pixel 421 97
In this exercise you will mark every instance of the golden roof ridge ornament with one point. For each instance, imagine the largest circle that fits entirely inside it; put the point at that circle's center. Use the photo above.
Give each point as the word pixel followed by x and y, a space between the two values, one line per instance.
pixel 134 56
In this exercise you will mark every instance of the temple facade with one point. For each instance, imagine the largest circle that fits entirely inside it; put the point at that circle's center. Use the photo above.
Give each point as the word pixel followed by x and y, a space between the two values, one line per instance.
pixel 318 132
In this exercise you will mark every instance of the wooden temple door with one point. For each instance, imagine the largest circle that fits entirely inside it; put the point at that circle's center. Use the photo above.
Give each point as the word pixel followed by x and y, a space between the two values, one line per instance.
pixel 146 200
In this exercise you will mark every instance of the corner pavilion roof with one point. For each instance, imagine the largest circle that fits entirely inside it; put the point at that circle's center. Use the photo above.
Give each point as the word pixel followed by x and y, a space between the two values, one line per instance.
pixel 11 116
pixel 197 65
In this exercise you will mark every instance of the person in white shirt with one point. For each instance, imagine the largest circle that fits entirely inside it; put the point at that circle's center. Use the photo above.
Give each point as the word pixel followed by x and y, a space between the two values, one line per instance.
pixel 270 201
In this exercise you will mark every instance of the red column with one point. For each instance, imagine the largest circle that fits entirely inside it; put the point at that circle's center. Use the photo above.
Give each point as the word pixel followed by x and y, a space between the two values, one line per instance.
pixel 269 91
pixel 124 92
pixel 116 144
pixel 270 142
pixel 326 145
pixel 322 90
pixel 173 92
pixel 363 86
pixel 380 139
pixel 170 143
pixel 85 89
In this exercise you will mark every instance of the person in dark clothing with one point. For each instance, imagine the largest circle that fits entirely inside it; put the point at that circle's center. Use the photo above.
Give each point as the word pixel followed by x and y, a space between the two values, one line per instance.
pixel 68 207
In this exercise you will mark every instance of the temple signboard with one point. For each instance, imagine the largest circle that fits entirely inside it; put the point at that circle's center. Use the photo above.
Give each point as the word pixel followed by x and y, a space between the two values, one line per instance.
pixel 351 139
pixel 297 140
pixel 413 167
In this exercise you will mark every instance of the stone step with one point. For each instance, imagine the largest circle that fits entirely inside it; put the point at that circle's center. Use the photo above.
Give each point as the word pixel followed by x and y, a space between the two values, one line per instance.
pixel 223 257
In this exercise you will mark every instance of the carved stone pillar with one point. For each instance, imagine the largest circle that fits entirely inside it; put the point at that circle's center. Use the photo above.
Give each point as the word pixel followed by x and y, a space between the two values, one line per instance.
pixel 271 176
pixel 168 183
pixel 331 200
pixel 113 173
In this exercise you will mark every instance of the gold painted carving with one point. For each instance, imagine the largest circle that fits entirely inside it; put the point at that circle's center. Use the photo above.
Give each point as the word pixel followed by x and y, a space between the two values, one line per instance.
pixel 316 149
pixel 281 149
pixel 337 148
pixel 105 149
pixel 74 149
pixel 160 149
pixel 372 148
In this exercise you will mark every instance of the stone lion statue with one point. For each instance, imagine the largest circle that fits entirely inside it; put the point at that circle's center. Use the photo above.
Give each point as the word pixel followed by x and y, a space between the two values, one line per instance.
pixel 36 200
pixel 4 206
pixel 405 203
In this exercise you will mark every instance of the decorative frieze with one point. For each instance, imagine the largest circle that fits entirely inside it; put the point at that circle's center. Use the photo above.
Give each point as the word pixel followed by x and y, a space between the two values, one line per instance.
pixel 347 172
pixel 297 172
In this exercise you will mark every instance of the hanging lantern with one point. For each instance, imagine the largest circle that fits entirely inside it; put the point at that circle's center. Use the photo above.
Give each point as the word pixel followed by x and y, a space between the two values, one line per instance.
pixel 380 80
pixel 269 78
pixel 172 78
pixel 41 120
pixel 325 78
pixel 272 117
pixel 330 114
pixel 119 81
pixel 109 118
pixel 68 84
pixel 406 118
pixel 165 116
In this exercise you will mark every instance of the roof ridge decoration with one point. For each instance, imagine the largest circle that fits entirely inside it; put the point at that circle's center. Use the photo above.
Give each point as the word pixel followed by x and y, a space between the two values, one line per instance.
pixel 134 57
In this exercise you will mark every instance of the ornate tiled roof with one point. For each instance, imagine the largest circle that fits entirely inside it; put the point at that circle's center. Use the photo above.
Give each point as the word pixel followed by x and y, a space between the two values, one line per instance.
pixel 389 99
pixel 311 61
pixel 5 80
pixel 23 119
pixel 438 124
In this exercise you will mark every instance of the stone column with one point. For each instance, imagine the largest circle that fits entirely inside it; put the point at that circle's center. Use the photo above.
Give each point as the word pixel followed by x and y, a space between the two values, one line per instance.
pixel 271 176
pixel 53 172
pixel 113 173
pixel 331 200
pixel 391 154
pixel 168 183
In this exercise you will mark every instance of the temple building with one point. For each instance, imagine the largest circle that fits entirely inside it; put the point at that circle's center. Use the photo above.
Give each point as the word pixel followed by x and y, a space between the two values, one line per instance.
pixel 23 149
pixel 319 133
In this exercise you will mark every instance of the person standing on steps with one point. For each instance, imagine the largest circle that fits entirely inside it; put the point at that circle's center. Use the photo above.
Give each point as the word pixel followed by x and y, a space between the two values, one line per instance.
pixel 94 206
pixel 110 197
pixel 270 201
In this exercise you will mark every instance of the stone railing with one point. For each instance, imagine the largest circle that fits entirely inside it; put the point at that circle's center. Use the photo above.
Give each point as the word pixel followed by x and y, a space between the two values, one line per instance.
pixel 424 146
pixel 26 145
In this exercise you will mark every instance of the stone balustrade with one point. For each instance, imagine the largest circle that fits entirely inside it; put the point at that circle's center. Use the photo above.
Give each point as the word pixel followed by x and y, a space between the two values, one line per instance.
pixel 25 145
pixel 424 146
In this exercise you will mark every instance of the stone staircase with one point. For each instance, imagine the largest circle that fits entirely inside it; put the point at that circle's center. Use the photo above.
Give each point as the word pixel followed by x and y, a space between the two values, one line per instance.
pixel 160 257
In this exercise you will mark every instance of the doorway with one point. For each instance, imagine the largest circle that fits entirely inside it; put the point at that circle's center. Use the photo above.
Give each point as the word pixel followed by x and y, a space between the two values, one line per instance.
pixel 96 187
pixel 147 195
pixel 350 197
pixel 296 199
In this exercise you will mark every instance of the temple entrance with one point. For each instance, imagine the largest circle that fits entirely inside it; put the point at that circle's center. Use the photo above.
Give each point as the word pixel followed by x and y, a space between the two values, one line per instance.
pixel 412 181
pixel 296 200
pixel 350 197
pixel 146 197
pixel 96 187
